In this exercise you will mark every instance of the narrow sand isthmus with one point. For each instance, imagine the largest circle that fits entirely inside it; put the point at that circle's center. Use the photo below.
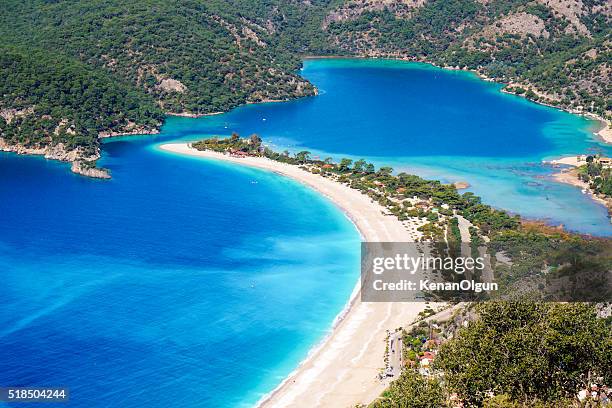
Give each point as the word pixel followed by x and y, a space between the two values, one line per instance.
pixel 342 371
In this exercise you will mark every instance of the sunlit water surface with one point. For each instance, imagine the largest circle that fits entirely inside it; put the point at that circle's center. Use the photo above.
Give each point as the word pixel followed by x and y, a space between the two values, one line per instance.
pixel 185 282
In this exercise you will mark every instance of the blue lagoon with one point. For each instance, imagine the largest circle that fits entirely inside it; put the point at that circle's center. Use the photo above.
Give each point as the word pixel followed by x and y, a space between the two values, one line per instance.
pixel 440 124
pixel 173 283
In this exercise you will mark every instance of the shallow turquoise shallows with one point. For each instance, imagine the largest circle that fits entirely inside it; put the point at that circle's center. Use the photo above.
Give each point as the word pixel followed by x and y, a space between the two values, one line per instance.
pixel 185 282
pixel 446 125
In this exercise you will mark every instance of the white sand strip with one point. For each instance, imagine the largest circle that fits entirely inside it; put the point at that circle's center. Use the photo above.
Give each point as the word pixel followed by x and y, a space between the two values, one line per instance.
pixel 342 370
pixel 574 161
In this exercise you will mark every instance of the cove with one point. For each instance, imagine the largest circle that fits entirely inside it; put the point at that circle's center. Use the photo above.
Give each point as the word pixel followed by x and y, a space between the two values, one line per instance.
pixel 440 124
pixel 180 282
pixel 175 283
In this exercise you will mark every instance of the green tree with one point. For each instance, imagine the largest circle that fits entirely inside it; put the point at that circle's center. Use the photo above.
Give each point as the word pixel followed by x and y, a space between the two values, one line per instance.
pixel 345 164
pixel 255 140
pixel 359 165
pixel 385 171
pixel 411 390
pixel 302 156
pixel 544 351
pixel 504 401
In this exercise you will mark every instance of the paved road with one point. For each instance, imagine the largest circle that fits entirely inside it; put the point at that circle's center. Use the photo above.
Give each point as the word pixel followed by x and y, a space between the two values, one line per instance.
pixel 395 354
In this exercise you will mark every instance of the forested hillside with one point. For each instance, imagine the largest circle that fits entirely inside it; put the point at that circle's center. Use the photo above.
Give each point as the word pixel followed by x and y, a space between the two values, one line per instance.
pixel 76 69
pixel 79 68
pixel 57 100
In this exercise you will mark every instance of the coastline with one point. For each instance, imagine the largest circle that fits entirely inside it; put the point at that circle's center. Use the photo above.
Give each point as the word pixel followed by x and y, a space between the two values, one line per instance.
pixel 604 133
pixel 342 369
pixel 135 132
pixel 59 152
pixel 192 115
pixel 569 176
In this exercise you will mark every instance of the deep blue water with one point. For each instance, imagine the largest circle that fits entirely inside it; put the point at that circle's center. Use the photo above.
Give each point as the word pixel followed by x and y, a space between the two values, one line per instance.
pixel 184 282
pixel 178 283
pixel 441 124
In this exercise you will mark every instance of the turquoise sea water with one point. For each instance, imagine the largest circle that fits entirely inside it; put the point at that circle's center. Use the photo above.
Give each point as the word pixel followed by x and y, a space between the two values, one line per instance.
pixel 441 124
pixel 185 282
pixel 178 283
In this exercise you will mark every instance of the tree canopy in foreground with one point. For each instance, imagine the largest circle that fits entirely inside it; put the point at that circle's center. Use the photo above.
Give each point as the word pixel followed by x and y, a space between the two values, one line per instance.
pixel 514 354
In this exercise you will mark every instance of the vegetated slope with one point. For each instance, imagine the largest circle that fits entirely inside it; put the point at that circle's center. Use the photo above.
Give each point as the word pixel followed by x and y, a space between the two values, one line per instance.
pixel 559 51
pixel 119 65
pixel 51 100
pixel 193 56
pixel 77 68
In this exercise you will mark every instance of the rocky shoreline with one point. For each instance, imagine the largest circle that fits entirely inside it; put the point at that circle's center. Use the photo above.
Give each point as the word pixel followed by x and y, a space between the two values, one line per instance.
pixel 81 168
pixel 192 115
pixel 79 160
pixel 139 131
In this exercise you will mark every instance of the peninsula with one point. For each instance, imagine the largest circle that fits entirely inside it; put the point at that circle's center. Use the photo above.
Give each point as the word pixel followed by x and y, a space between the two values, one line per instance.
pixel 154 260
pixel 591 173
pixel 349 366
pixel 343 369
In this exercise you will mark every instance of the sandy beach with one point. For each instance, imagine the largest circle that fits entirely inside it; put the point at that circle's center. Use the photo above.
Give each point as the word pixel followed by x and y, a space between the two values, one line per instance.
pixel 605 132
pixel 342 370
pixel 570 176
pixel 574 161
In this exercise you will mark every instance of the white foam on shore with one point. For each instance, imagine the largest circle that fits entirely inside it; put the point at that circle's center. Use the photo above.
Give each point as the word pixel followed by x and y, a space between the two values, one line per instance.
pixel 349 338
pixel 316 348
